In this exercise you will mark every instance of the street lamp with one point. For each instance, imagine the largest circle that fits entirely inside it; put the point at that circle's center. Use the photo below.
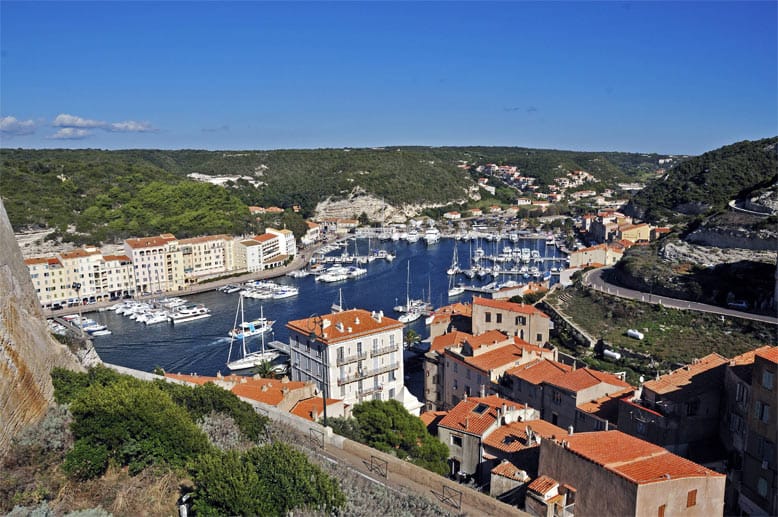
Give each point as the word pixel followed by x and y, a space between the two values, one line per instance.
pixel 76 286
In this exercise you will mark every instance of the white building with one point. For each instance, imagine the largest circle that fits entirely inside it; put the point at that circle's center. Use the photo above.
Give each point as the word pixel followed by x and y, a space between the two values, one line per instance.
pixel 288 246
pixel 353 355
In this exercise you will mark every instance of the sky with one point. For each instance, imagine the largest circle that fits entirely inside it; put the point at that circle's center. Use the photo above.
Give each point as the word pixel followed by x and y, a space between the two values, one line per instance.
pixel 677 78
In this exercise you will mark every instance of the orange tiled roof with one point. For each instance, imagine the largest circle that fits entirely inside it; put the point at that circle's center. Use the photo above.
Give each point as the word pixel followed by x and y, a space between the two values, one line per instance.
pixel 268 391
pixel 632 458
pixel 307 407
pixel 205 238
pixel 429 417
pixel 36 260
pixel 509 470
pixel 149 242
pixel 463 418
pixel 449 339
pixel 508 306
pixel 684 376
pixel 490 337
pixel 458 309
pixel 606 407
pixel 488 361
pixel 584 378
pixel 539 370
pixel 264 237
pixel 354 323
pixel 513 437
pixel 78 253
pixel 311 224
pixel 194 379
pixel 122 258
pixel 771 354
pixel 542 485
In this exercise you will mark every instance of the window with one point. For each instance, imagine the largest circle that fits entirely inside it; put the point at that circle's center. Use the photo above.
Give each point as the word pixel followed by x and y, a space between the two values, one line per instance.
pixel 640 428
pixel 557 397
pixel 456 440
pixel 767 380
pixel 692 407
pixel 661 511
pixel 761 487
pixel 539 338
pixel 741 394
pixel 499 317
pixel 456 369
pixel 488 317
pixel 467 390
pixel 762 411
pixel 691 498
pixel 467 373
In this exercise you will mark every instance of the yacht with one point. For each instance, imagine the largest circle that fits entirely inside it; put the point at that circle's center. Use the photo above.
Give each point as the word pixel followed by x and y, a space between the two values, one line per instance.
pixel 285 292
pixel 191 313
pixel 432 236
pixel 247 359
pixel 413 236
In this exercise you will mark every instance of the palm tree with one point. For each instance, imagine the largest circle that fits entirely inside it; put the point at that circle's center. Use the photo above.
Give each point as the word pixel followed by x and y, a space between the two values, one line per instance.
pixel 265 370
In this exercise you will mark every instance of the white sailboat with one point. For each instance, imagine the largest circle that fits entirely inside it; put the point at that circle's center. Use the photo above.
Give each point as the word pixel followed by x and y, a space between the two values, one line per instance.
pixel 454 290
pixel 413 313
pixel 338 306
pixel 247 359
pixel 454 269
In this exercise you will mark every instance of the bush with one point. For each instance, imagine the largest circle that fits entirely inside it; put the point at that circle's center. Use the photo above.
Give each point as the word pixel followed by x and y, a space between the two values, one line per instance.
pixel 87 460
pixel 268 480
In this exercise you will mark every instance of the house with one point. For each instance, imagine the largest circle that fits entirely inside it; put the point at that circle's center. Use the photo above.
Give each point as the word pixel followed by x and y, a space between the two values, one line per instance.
pixel 563 394
pixel 457 316
pixel 523 201
pixel 680 409
pixel 287 243
pixel 599 255
pixel 433 362
pixel 513 319
pixel 476 212
pixel 452 216
pixel 466 425
pixel 547 498
pixel 614 473
pixel 313 409
pixel 525 383
pixel 634 232
pixel 519 443
pixel 507 481
pixel 495 209
pixel 601 414
pixel 354 355
pixel 312 234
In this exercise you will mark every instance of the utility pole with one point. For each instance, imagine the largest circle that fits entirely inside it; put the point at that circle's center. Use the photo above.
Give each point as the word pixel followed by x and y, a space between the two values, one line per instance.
pixel 76 286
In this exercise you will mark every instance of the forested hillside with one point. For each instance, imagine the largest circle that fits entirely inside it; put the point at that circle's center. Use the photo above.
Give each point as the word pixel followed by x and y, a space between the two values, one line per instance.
pixel 109 195
pixel 709 181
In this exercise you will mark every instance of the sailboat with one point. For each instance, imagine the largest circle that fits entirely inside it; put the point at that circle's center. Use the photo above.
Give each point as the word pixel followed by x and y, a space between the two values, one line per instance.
pixel 454 290
pixel 338 306
pixel 250 328
pixel 247 359
pixel 412 313
pixel 454 269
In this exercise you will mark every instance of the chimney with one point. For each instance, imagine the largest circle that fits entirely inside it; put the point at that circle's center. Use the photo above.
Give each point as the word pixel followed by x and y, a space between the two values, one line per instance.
pixel 264 388
pixel 482 391
pixel 570 430
pixel 499 417
pixel 219 375
pixel 467 422
pixel 315 415
pixel 356 320
pixel 530 434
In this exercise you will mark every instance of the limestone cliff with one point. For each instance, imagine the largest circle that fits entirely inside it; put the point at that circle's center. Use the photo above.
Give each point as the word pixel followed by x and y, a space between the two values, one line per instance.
pixel 27 350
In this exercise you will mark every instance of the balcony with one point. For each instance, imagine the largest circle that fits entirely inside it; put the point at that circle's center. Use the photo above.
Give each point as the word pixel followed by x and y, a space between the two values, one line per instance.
pixel 385 350
pixel 351 358
pixel 366 392
pixel 365 373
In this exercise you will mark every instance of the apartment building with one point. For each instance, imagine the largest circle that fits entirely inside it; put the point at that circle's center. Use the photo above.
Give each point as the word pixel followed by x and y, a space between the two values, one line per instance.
pixel 525 383
pixel 513 319
pixel 157 262
pixel 354 355
pixel 287 244
pixel 206 256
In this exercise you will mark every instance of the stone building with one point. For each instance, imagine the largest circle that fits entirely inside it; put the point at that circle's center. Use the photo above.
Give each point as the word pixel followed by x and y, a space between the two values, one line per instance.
pixel 513 319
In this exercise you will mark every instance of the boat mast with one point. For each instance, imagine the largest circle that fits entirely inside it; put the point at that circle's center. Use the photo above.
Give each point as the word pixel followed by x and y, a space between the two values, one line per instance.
pixel 242 327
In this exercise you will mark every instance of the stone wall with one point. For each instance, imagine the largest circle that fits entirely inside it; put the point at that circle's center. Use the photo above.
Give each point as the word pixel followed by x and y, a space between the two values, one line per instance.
pixel 27 350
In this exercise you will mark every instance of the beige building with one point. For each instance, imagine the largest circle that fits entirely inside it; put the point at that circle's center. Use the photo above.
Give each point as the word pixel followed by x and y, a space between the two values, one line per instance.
pixel 206 257
pixel 599 255
pixel 354 355
pixel 612 473
pixel 634 232
pixel 157 262
pixel 514 319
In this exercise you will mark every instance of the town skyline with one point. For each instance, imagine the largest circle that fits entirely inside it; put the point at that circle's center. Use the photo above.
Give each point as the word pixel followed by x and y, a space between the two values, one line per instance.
pixel 639 77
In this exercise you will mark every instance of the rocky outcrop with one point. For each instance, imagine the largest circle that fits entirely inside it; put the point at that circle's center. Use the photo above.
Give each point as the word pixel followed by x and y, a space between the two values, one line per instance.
pixel 735 238
pixel 27 350
pixel 358 202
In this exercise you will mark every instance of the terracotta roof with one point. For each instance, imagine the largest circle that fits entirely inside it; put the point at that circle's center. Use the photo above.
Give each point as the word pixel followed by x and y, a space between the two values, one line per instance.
pixel 542 485
pixel 264 237
pixel 306 408
pixel 501 356
pixel 268 391
pixel 606 407
pixel 632 458
pixel 685 376
pixel 508 306
pixel 448 339
pixel 539 370
pixel 490 337
pixel 36 260
pixel 770 354
pixel 311 224
pixel 122 258
pixel 743 365
pixel 584 378
pixel 509 470
pixel 463 418
pixel 341 326
pixel 513 437
pixel 430 417
pixel 78 253
pixel 458 309
pixel 148 242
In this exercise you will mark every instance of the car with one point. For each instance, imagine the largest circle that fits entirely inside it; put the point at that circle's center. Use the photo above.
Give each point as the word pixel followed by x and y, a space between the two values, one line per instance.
pixel 56 307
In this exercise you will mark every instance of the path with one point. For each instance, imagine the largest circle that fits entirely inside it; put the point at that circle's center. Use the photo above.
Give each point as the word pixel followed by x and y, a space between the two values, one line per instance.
pixel 595 280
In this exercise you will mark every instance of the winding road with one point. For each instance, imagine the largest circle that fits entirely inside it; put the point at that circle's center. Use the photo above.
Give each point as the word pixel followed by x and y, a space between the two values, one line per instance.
pixel 595 280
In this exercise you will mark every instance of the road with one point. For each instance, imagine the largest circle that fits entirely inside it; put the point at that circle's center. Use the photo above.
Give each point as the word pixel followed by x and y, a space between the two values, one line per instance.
pixel 594 279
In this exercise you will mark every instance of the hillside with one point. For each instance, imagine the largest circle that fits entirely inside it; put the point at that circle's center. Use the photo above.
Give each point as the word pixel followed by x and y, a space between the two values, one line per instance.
pixel 108 195
pixel 708 182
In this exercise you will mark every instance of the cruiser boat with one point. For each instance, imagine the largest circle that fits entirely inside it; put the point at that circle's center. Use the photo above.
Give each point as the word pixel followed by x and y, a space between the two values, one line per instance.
pixel 251 328
pixel 285 292
pixel 247 359
pixel 413 236
pixel 432 236
pixel 191 313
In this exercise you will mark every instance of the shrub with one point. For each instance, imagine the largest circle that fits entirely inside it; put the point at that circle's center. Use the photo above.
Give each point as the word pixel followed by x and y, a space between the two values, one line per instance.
pixel 87 460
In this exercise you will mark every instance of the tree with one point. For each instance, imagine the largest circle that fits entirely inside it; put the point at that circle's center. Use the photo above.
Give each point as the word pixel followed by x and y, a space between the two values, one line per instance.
pixel 412 337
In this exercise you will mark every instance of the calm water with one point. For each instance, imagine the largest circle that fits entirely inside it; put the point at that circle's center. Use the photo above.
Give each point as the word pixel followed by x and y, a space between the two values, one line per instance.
pixel 202 346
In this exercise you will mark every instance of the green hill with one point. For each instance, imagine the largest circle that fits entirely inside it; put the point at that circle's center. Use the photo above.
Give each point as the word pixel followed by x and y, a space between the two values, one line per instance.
pixel 705 183
pixel 94 195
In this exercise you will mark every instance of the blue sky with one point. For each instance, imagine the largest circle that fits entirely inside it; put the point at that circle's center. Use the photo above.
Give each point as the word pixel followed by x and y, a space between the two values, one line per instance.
pixel 676 77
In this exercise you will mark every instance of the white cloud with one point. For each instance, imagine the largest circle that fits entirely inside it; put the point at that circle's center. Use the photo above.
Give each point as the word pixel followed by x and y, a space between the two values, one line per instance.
pixel 131 126
pixel 71 133
pixel 11 126
pixel 65 120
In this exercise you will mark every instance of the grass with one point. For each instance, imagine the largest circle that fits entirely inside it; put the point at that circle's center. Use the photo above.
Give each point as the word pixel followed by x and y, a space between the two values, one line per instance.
pixel 672 336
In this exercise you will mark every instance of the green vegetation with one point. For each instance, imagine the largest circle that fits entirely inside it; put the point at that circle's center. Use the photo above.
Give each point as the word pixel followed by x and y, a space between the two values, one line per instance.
pixel 110 195
pixel 388 427
pixel 707 182
pixel 672 336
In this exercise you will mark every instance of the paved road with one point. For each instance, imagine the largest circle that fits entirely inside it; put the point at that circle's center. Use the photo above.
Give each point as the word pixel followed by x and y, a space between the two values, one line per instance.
pixel 594 279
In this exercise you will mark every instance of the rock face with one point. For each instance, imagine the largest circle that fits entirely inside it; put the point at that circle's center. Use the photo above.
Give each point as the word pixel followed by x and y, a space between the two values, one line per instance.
pixel 27 350
pixel 376 209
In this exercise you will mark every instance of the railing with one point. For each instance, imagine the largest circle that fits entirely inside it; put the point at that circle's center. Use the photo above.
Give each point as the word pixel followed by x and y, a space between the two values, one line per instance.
pixel 367 373
pixel 369 391
pixel 385 350
pixel 351 358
